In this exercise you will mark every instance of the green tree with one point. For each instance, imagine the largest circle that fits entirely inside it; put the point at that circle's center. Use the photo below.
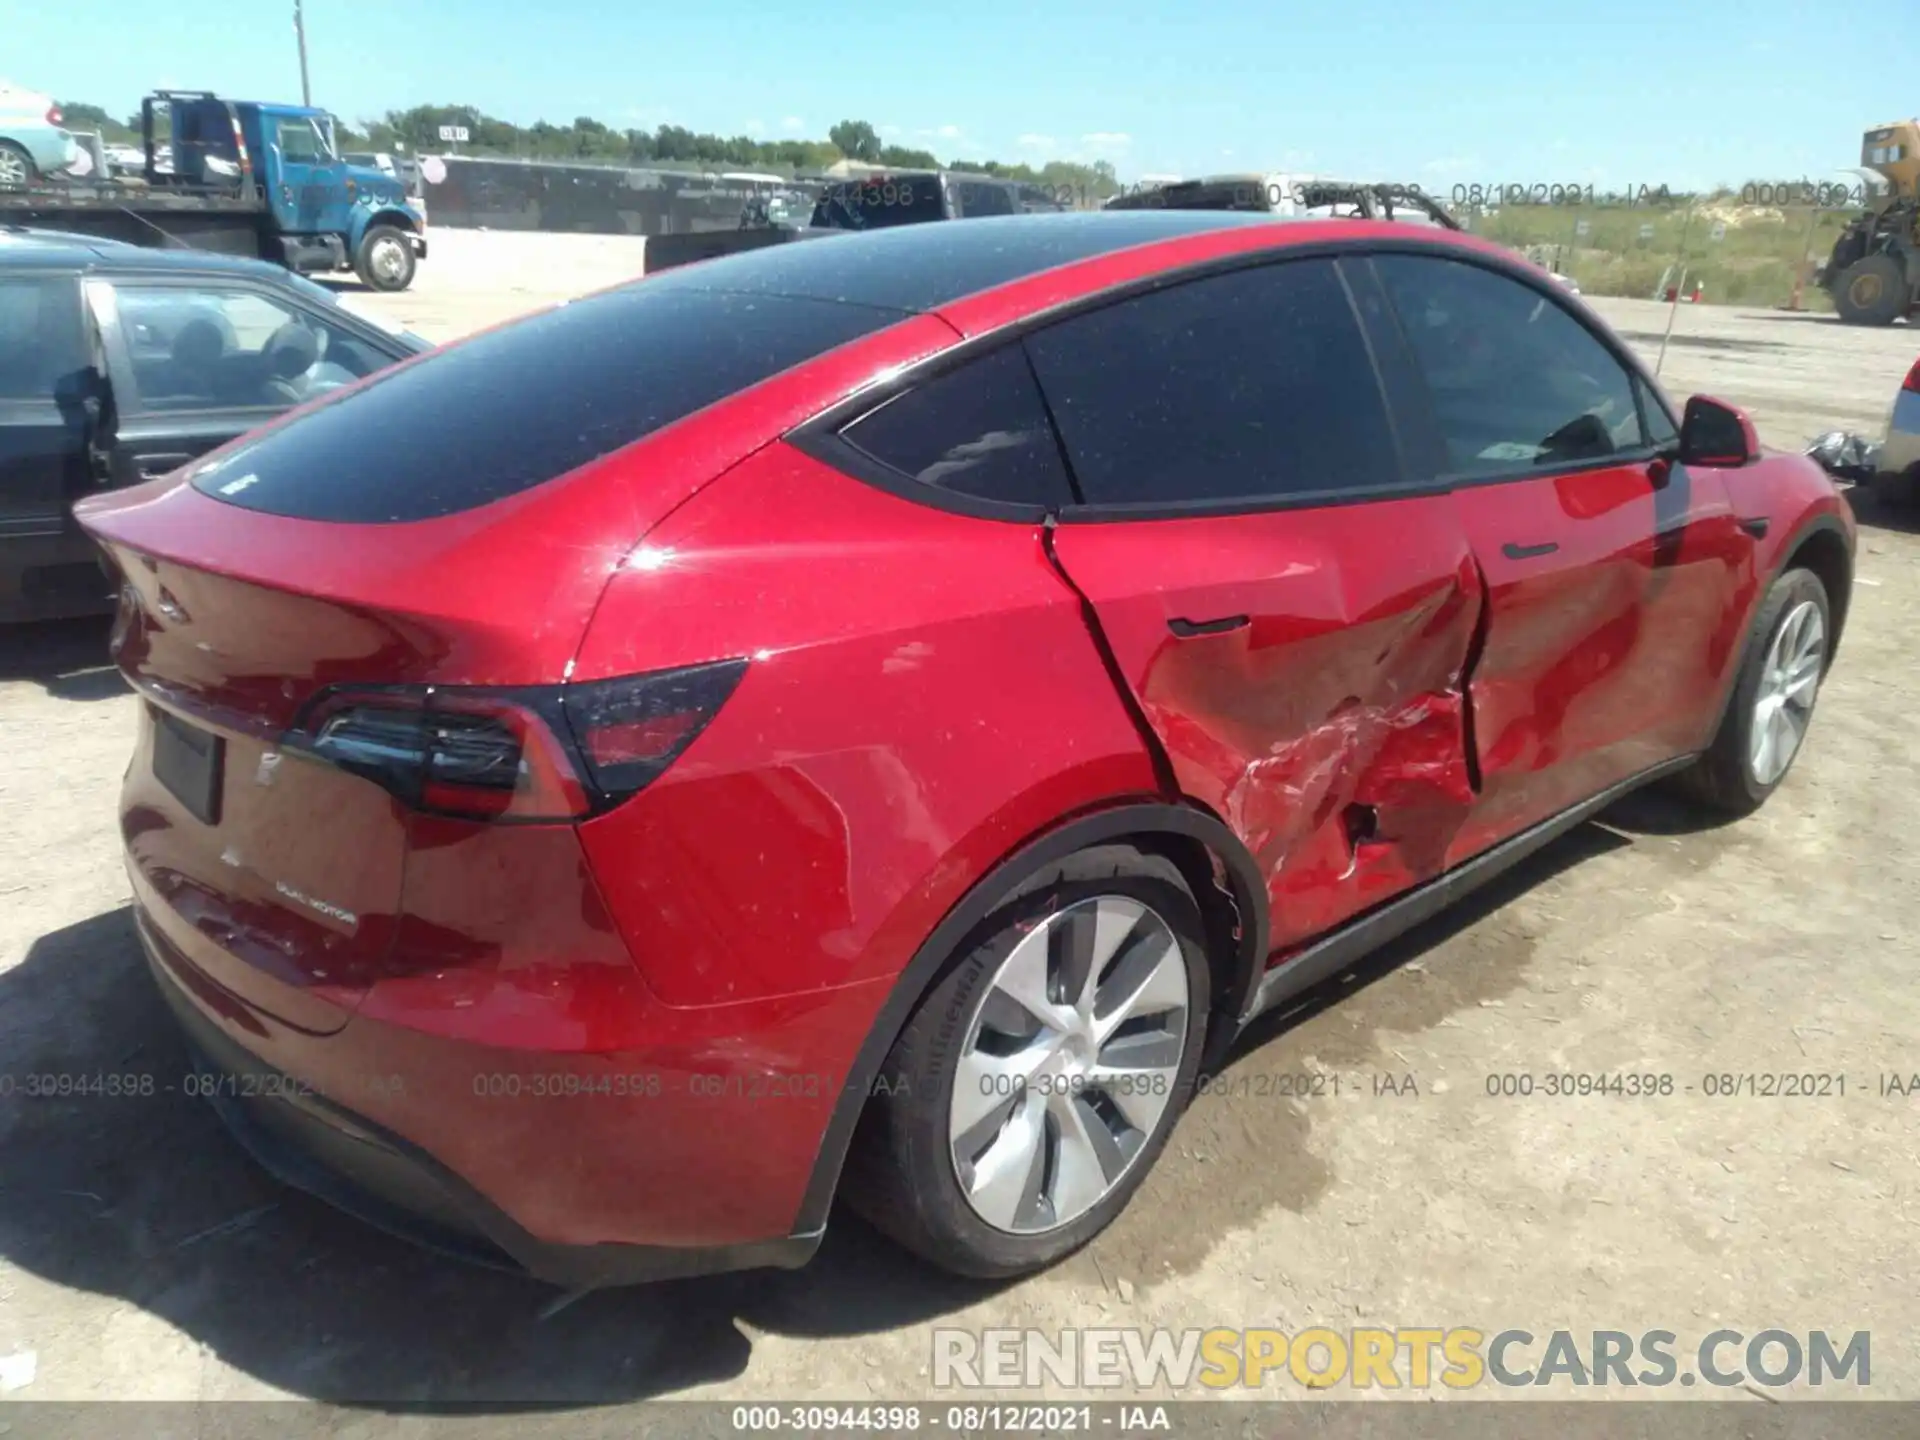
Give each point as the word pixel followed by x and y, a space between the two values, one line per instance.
pixel 856 139
pixel 900 155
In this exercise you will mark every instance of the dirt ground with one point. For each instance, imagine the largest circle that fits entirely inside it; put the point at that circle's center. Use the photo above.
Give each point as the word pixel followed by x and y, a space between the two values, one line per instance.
pixel 142 1257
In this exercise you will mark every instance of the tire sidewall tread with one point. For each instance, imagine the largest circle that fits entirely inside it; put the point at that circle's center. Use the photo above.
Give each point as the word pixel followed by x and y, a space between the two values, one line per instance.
pixel 1724 777
pixel 901 1174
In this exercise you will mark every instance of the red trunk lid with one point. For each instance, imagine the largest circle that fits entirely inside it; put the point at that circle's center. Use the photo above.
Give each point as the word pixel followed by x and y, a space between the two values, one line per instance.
pixel 279 875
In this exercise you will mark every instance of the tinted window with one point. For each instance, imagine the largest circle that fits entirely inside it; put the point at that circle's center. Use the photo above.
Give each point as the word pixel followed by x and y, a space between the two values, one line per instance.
pixel 1517 382
pixel 41 342
pixel 1250 384
pixel 980 430
pixel 515 407
pixel 213 347
pixel 880 203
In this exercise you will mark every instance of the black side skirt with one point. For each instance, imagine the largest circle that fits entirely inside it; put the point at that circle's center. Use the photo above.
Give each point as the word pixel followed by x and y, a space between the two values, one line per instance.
pixel 1338 949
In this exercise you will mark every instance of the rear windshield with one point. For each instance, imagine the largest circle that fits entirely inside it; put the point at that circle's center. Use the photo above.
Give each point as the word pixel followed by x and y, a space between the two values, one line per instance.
pixel 519 406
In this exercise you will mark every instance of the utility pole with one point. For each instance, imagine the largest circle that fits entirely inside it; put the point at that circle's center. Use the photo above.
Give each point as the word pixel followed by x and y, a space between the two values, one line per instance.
pixel 300 33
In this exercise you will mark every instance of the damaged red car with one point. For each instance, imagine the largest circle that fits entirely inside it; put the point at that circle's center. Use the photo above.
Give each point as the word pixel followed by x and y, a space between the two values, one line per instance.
pixel 876 718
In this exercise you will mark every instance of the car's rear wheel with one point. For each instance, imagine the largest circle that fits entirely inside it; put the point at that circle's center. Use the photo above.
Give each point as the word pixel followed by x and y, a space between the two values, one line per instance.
pixel 17 169
pixel 1773 698
pixel 1039 1079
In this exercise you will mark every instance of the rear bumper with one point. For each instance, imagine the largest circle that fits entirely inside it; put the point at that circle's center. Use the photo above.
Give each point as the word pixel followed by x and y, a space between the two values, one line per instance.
pixel 52 576
pixel 339 1154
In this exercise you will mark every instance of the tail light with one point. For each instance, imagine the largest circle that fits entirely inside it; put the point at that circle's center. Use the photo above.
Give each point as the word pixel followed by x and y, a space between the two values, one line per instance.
pixel 537 753
pixel 1912 382
pixel 54 117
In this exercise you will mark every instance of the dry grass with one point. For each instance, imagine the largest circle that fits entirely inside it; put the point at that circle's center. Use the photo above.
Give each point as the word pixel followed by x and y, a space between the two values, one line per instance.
pixel 1753 263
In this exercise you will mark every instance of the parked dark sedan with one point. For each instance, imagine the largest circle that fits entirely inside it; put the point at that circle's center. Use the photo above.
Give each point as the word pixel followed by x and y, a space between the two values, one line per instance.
pixel 120 363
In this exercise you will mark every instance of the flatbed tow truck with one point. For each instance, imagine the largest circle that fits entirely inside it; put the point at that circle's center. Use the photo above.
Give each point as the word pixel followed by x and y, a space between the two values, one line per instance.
pixel 244 178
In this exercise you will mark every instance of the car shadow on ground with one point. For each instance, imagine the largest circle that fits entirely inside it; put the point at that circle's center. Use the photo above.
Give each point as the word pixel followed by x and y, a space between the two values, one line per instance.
pixel 68 658
pixel 141 1196
pixel 1877 514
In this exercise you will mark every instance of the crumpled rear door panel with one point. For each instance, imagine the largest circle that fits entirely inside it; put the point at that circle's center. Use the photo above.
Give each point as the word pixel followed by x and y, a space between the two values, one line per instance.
pixel 1303 671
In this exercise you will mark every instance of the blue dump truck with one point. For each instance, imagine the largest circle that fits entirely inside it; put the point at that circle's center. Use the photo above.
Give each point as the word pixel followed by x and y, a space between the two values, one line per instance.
pixel 242 178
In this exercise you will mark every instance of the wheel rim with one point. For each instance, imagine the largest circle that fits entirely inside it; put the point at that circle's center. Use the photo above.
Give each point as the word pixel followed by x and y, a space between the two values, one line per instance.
pixel 1865 289
pixel 1788 685
pixel 13 170
pixel 389 261
pixel 1069 1064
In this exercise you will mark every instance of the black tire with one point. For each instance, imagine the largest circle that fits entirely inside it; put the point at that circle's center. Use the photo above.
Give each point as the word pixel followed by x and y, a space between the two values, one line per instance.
pixel 370 261
pixel 900 1173
pixel 1724 777
pixel 16 166
pixel 1871 291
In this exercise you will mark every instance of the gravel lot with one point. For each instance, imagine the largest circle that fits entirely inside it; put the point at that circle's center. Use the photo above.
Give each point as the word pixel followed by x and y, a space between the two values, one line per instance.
pixel 142 1257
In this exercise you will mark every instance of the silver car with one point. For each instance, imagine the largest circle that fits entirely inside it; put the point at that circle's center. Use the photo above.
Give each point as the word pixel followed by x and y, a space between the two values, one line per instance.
pixel 1897 476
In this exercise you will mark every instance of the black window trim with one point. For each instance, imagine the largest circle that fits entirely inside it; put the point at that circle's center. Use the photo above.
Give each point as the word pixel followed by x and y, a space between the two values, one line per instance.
pixel 128 400
pixel 819 437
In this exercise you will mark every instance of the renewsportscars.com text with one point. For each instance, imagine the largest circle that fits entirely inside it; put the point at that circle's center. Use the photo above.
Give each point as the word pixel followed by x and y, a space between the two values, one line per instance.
pixel 1417 1357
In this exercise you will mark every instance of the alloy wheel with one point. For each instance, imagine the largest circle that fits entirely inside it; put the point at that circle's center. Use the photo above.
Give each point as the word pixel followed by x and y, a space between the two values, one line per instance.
pixel 1069 1064
pixel 1789 683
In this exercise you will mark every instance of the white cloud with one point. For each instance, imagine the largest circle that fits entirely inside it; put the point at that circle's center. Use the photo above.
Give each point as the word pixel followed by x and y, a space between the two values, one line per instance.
pixel 1107 140
pixel 756 128
pixel 1035 142
pixel 792 123
pixel 948 132
pixel 1226 152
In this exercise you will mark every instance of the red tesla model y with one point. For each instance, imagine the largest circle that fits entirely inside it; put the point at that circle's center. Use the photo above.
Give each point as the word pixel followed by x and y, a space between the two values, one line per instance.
pixel 876 717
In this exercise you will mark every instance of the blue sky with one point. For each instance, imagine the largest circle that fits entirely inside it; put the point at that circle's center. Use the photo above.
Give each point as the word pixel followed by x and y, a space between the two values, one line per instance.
pixel 1609 92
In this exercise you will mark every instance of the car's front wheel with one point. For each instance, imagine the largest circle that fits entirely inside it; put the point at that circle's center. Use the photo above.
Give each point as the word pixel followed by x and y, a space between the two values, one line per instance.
pixel 1773 698
pixel 1041 1076
pixel 385 260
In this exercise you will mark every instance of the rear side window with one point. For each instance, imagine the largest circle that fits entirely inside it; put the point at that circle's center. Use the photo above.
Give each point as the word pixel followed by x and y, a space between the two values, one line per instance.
pixel 1251 385
pixel 1518 384
pixel 512 409
pixel 980 430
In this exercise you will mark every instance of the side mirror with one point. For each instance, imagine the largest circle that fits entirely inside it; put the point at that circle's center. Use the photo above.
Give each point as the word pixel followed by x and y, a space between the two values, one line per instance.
pixel 1716 434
